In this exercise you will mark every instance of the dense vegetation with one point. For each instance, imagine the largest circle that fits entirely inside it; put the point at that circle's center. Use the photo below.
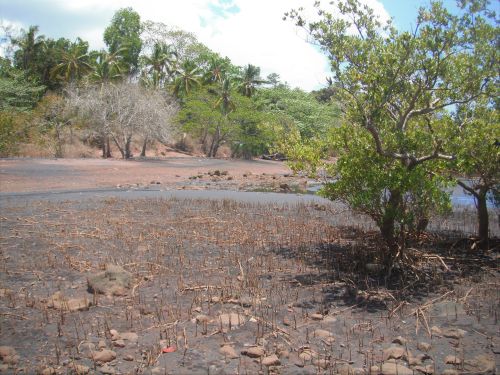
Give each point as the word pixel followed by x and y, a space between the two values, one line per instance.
pixel 207 100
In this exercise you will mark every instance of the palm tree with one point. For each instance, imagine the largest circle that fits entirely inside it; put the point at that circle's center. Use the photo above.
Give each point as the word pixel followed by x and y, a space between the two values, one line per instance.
pixel 108 67
pixel 225 102
pixel 30 46
pixel 216 70
pixel 75 62
pixel 160 63
pixel 187 77
pixel 249 80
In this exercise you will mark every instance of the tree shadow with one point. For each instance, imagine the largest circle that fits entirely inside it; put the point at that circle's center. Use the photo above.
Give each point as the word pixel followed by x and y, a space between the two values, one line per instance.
pixel 349 269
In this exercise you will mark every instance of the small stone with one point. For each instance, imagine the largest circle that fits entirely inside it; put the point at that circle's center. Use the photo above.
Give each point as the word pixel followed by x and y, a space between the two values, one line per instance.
pixel 107 370
pixel 391 368
pixel 271 360
pixel 287 321
pixel 101 344
pixel 321 363
pixel 114 335
pixel 452 360
pixel 119 343
pixel 400 340
pixel 429 369
pixel 11 359
pixel 228 352
pixel 316 316
pixel 130 336
pixel 114 281
pixel 306 355
pixel 254 352
pixel 374 370
pixel 450 371
pixel 359 371
pixel 424 346
pixel 7 351
pixel 79 369
pixel 49 371
pixel 322 333
pixel 436 331
pixel 395 352
pixel 454 333
pixel 482 364
pixel 128 357
pixel 104 356
pixel 345 370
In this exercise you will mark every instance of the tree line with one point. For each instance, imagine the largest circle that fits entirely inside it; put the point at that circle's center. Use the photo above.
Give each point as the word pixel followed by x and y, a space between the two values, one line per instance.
pixel 189 92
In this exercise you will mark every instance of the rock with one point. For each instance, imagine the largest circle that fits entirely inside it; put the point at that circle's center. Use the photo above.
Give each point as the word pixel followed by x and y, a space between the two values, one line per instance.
pixel 450 371
pixel 254 352
pixel 59 302
pixel 101 344
pixel 11 359
pixel 394 352
pixel 482 364
pixel 391 368
pixel 107 370
pixel 4 369
pixel 436 331
pixel 7 351
pixel 128 357
pixel 103 356
pixel 48 371
pixel 452 360
pixel 429 369
pixel 374 370
pixel 316 316
pixel 129 336
pixel 233 320
pixel 424 346
pixel 114 281
pixel 359 371
pixel 119 343
pixel 271 360
pixel 287 321
pixel 78 369
pixel 345 370
pixel 228 352
pixel 114 334
pixel 323 333
pixel 321 363
pixel 306 354
pixel 454 333
pixel 400 340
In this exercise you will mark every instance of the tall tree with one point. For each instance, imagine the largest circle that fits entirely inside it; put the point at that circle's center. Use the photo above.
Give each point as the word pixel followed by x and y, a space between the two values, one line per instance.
pixel 160 64
pixel 30 46
pixel 475 144
pixel 249 80
pixel 75 62
pixel 125 31
pixel 187 76
pixel 393 87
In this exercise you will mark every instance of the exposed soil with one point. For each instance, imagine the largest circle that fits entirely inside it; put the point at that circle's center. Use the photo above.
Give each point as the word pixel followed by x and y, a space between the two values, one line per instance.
pixel 221 287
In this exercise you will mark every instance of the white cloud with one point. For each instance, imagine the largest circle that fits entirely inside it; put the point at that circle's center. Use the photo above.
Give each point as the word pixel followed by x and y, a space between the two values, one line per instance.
pixel 247 31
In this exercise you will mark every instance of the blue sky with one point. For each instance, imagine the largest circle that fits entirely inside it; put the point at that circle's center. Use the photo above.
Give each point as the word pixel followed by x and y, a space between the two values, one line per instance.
pixel 247 31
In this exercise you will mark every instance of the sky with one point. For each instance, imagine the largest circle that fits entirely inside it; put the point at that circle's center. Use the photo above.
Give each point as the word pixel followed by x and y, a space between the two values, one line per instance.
pixel 246 31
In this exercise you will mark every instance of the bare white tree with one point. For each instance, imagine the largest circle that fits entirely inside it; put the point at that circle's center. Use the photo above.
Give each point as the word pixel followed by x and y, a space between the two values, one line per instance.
pixel 121 111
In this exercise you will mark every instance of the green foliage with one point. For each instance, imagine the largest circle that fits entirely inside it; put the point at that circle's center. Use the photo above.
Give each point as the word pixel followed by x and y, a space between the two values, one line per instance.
pixel 394 89
pixel 125 32
pixel 313 119
pixel 17 92
pixel 366 180
pixel 74 62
